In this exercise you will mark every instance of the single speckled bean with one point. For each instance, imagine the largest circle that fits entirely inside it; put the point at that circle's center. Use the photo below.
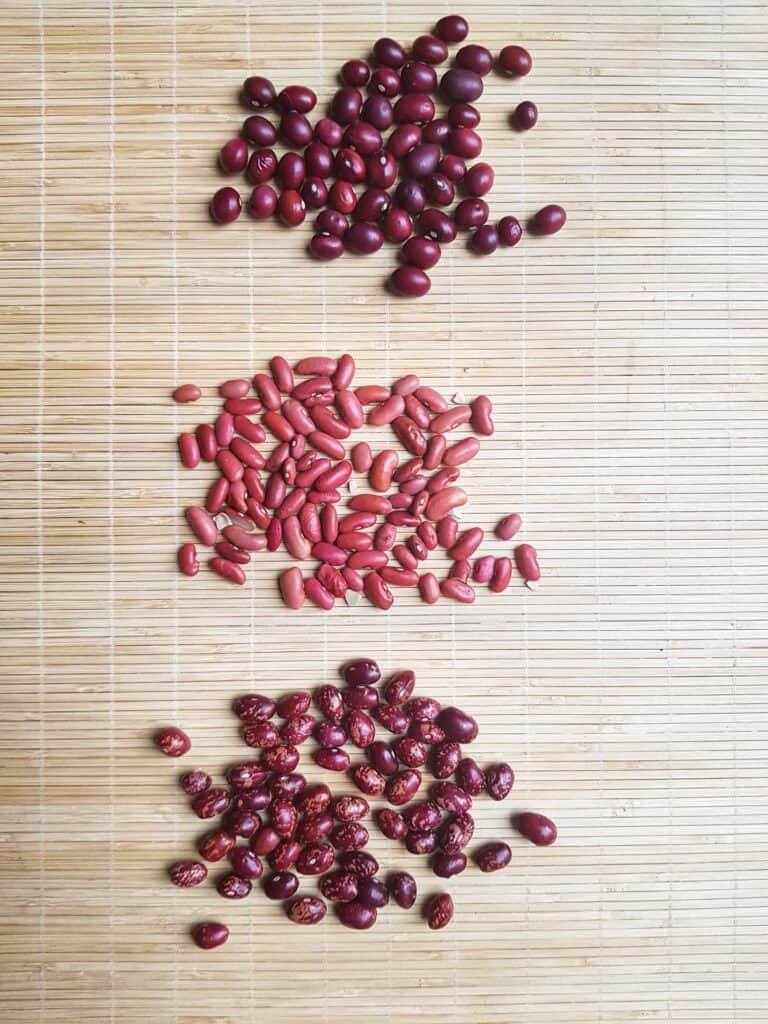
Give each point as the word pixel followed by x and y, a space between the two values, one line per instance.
pixel 439 911
pixel 507 527
pixel 206 441
pixel 493 857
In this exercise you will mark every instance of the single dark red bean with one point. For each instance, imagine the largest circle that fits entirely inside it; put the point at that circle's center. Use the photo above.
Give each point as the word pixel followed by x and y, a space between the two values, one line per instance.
pixel 363 137
pixel 410 196
pixel 515 61
pixel 460 570
pixel 361 729
pixel 361 698
pixel 281 885
pixel 288 785
pixel 346 105
pixel 254 707
pixel 342 197
pixel 326 247
pixel 225 206
pixel 210 934
pixel 482 571
pixel 297 97
pixel 291 170
pixel 388 52
pixel 258 131
pixel 471 213
pixel 332 759
pixel 430 49
pixel 315 859
pixel 421 161
pixel 493 857
pixel 463 115
pixel 372 893
pixel 475 58
pixel 242 823
pixel 233 156
pixel 385 81
pixel 356 915
pixel 187 558
pixel 439 189
pixel 284 855
pixel 381 168
pixel 437 225
pixel 478 180
pixel 416 77
pixel 314 192
pixel 549 220
pixel 328 131
pixel 456 832
pixel 446 865
pixel 306 910
pixel 426 732
pixel 318 160
pixel 539 829
pixel 372 204
pixel 403 889
pixel 295 129
pixel 510 231
pixel 339 886
pixel 265 841
pixel 172 741
pixel 382 757
pixel 393 718
pixel 377 110
pixel 403 139
pixel 409 282
pixel 526 560
pixel 245 863
pixel 452 28
pixel 457 725
pixel 258 92
pixel 350 808
pixel 291 208
pixel 460 85
pixel 525 116
pixel 261 166
pixel 364 238
pixel 424 816
pixel 231 553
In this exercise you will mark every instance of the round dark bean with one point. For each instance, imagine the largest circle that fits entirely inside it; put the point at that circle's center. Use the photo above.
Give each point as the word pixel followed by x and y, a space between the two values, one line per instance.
pixel 363 137
pixel 439 189
pixel 437 225
pixel 403 139
pixel 525 116
pixel 415 108
pixel 382 757
pixel 421 252
pixel 225 207
pixel 466 143
pixel 402 885
pixel 372 893
pixel 515 61
pixel 510 231
pixel 446 865
pixel 318 160
pixel 326 247
pixel 258 92
pixel 332 222
pixel 422 160
pixel 291 170
pixel 377 110
pixel 355 72
pixel 474 58
pixel 328 131
pixel 209 934
pixel 281 885
pixel 356 915
pixel 361 672
pixel 263 202
pixel 478 180
pixel 463 115
pixel 430 49
pixel 397 225
pixel 410 196
pixel 436 131
pixel 363 698
pixel 452 28
pixel 457 725
pixel 382 169
pixel 233 156
pixel 349 166
pixel 372 205
pixel 461 85
pixel 295 129
pixel 452 167
pixel 409 282
pixel 418 77
pixel 297 97
pixel 548 221
pixel 485 240
pixel 385 81
pixel 471 213
pixel 389 53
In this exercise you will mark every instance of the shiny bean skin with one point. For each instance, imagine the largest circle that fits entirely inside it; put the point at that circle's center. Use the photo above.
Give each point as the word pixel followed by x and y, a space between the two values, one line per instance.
pixel 356 915
pixel 441 504
pixel 463 451
pixel 361 457
pixel 451 419
pixel 507 527
pixel 354 540
pixel 333 759
pixel 527 562
pixel 296 544
pixel 201 524
pixel 414 408
pixel 399 577
pixel 335 477
pixel 493 857
pixel 499 780
pixel 372 394
pixel 537 828
pixel 353 579
pixel 447 531
pixel 406 558
pixel 429 588
pixel 247 541
pixel 329 523
pixel 326 444
pixel 370 503
pixel 350 409
pixel 330 424
pixel 243 406
pixel 282 374
pixel 188 560
pixel 482 571
pixel 434 401
pixel 382 469
pixel 502 574
pixel 457 590
pixel 400 501
pixel 368 780
pixel 480 420
pixel 357 521
pixel 548 220
pixel 467 544
pixel 224 428
pixel 377 591
pixel 210 934
pixel 186 393
pixel 274 535
pixel 427 534
pixel 297 416
pixel 227 570
pixel 442 479
pixel 387 411
pixel 278 425
pixel 435 450
pixel 318 594
pixel 306 910
pixel 409 434
pixel 189 450
pixel 206 441
pixel 344 373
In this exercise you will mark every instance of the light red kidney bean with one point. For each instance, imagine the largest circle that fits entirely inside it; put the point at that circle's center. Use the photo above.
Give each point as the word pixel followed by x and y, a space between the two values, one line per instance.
pixel 481 420
pixel 388 411
pixel 185 393
pixel 429 588
pixel 526 560
pixel 441 504
pixel 434 452
pixel 350 408
pixel 189 450
pixel 224 428
pixel 291 585
pixel 507 527
pixel 231 553
pixel 449 420
pixel 206 441
pixel 467 544
pixel 201 524
pixel 462 452
pixel 457 590
pixel 188 560
pixel 377 591
pixel 361 457
pixel 502 574
pixel 382 469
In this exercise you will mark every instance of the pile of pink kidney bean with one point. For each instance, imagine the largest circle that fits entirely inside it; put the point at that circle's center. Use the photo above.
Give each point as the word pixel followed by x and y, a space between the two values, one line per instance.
pixel 287 496
pixel 392 187
pixel 267 810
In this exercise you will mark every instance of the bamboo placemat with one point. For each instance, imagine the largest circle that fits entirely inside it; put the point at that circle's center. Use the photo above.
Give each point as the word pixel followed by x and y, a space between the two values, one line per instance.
pixel 626 359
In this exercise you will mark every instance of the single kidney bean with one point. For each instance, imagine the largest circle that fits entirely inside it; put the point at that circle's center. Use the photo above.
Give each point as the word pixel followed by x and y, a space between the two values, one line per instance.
pixel 261 167
pixel 481 421
pixel 515 61
pixel 225 206
pixel 452 167
pixel 361 457
pixel 463 451
pixel 410 196
pixel 507 527
pixel 356 521
pixel 224 428
pixel 353 579
pixel 446 865
pixel 245 541
pixel 210 803
pixel 186 393
pixel 493 857
pixel 458 726
pixel 549 220
pixel 333 582
pixel 426 732
pixel 280 759
pixel 409 282
pixel 285 855
pixel 536 827
pixel 350 409
pixel 439 911
pixel 445 759
pixel 410 752
pixel 245 864
pixel 267 390
pixel 296 544
pixel 386 412
pixel 377 110
pixel 452 798
pixel 391 824
pixel 356 915
pixel 403 888
pixel 294 129
pixel 359 863
pixel 463 115
pixel 306 910
pixel 324 442
pixel 372 893
pixel 460 570
pixel 416 77
pixel 187 873
pixel 361 729
pixel 470 778
pixel 471 213
pixel 527 562
pixel 467 544
pixel 201 524
pixel 385 537
pixel 258 513
pixel 188 562
pixel 332 759
pixel 441 479
pixel 499 779
pixel 349 836
pixel 278 425
pixel 291 584
pixel 261 734
pixel 388 52
pixel 457 590
pixel 242 823
pixel 172 742
pixel 502 574
pixel 377 591
pixel 254 707
pixel 382 757
pixel 525 116
pixel 331 703
pixel 215 846
pixel 339 886
pixel 329 523
pixel 209 934
pixel 195 782
pixel 482 571
pixel 314 800
pixel 246 775
pixel 258 131
pixel 429 588
pixel 384 465
pixel 460 85
pixel 281 885
pixel 457 832
pixel 265 841
pixel 297 730
pixel 361 698
pixel 382 169
pixel 402 788
pixel 399 577
pixel 368 780
pixel 408 433
pixel 315 859
pixel 253 431
pixel 206 442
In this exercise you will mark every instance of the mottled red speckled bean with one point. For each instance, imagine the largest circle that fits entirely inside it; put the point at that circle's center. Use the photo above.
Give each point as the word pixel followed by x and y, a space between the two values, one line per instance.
pixel 526 560
pixel 361 698
pixel 499 780
pixel 482 571
pixel 172 741
pixel 368 780
pixel 330 702
pixel 189 450
pixel 349 836
pixel 467 544
pixel 195 782
pixel 306 910
pixel 502 574
pixel 493 857
pixel 439 911
pixel 429 588
pixel 265 841
pixel 402 788
pixel 211 802
pixel 463 451
pixel 254 707
pixel 318 594
pixel 187 873
pixel 350 808
pixel 210 934
pixel 339 886
pixel 188 562
pixel 441 504
pixel 446 865
pixel 201 524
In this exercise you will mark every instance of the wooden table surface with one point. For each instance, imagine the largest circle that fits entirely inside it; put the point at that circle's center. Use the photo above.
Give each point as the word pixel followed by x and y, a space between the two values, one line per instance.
pixel 627 361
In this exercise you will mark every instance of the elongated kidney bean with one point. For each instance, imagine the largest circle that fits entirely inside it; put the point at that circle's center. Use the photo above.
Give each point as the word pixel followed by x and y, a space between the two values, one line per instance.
pixel 188 562
pixel 460 570
pixel 385 537
pixel 328 423
pixel 243 406
pixel 325 443
pixel 227 570
pixel 332 580
pixel 457 590
pixel 429 588
pixel 453 798
pixel 186 393
pixel 382 469
pixel 442 479
pixel 250 430
pixel 482 571
pixel 467 544
pixel 539 829
pixel 367 560
pixel 399 577
pixel 353 579
pixel 409 434
pixel 206 441
pixel 427 535
pixel 480 420
pixel 309 520
pixel 527 562
pixel 282 374
pixel 441 504
pixel 189 450
pixel 385 413
pixel 377 591
pixel 247 541
pixel 278 425
pixel 416 410
pixel 275 492
pixel 502 574
pixel 231 553
pixel 230 465
pixel 507 527
pixel 400 501
pixel 298 417
pixel 450 419
pixel 318 594
pixel 408 471
pixel 332 759
pixel 224 428
pixel 291 584
pixel 350 409
pixel 463 451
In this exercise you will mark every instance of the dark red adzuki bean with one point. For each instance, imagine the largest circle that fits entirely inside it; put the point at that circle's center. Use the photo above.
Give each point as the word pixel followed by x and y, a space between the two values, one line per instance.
pixel 525 116
pixel 209 934
pixel 225 206
pixel 409 282
pixel 510 231
pixel 452 28
pixel 460 85
pixel 549 220
pixel 430 49
pixel 515 61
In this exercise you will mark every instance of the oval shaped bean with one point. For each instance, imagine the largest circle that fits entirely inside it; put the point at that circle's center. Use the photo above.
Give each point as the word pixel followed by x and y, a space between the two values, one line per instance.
pixel 429 588
pixel 306 910
pixel 526 560
pixel 467 544
pixel 189 450
pixel 463 451
pixel 350 408
pixel 480 420
pixel 482 571
pixel 507 527
pixel 502 574
pixel 377 591
pixel 439 911
pixel 539 829
pixel 201 524
pixel 493 857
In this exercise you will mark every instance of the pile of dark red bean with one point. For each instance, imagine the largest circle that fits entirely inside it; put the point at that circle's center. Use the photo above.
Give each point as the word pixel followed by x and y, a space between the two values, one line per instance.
pixel 350 147
pixel 305 829
pixel 295 506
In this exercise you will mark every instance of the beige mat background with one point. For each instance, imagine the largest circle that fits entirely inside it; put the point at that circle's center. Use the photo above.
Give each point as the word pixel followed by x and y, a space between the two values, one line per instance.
pixel 627 361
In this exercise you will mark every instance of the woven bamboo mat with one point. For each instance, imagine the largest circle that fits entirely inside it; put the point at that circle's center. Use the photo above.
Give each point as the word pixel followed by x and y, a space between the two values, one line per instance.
pixel 627 362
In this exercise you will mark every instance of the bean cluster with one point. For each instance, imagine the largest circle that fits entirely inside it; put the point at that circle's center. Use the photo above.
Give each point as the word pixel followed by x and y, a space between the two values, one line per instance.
pixel 305 830
pixel 288 497
pixel 396 186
